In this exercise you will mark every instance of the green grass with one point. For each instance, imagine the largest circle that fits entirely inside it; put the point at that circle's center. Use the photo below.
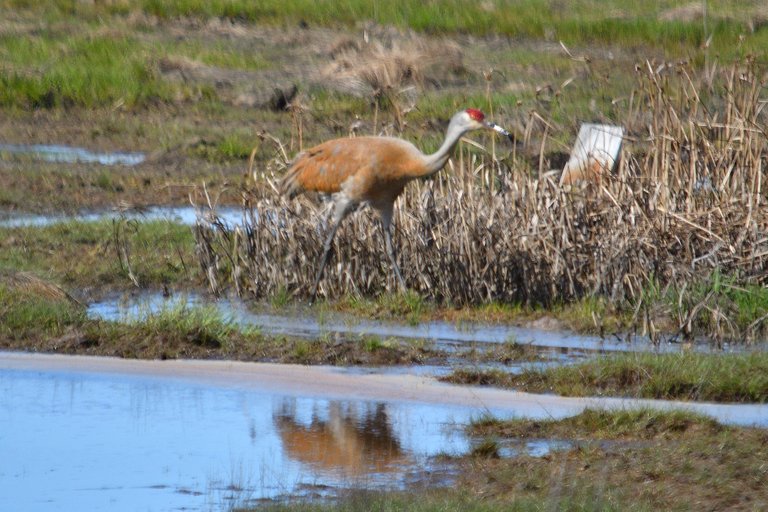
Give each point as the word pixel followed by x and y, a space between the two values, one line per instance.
pixel 204 326
pixel 27 314
pixel 724 305
pixel 23 314
pixel 408 307
pixel 683 376
pixel 220 54
pixel 83 68
pixel 36 316
pixel 281 298
pixel 87 254
pixel 618 22
pixel 93 55
pixel 62 70
pixel 230 147
pixel 338 106
pixel 742 304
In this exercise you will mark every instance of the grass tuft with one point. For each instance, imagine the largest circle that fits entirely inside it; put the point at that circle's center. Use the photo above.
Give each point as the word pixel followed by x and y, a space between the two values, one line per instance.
pixel 26 312
pixel 639 423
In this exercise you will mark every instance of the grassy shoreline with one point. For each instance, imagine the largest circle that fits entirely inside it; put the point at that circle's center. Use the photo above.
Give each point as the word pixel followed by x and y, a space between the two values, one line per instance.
pixel 741 378
pixel 38 316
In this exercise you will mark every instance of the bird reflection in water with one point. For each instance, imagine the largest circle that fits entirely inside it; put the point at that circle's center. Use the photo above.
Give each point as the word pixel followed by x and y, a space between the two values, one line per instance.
pixel 355 440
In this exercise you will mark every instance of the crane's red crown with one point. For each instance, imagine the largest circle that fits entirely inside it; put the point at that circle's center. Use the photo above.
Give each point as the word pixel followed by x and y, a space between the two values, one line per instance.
pixel 475 114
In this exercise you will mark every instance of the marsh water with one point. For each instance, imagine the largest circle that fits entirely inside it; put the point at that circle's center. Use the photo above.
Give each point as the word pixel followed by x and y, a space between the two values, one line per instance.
pixel 94 434
pixel 77 436
pixel 186 215
pixel 70 154
pixel 82 433
pixel 75 439
pixel 559 345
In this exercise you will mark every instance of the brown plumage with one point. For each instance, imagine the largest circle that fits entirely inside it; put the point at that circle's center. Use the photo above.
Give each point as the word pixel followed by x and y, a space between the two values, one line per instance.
pixel 372 170
pixel 378 166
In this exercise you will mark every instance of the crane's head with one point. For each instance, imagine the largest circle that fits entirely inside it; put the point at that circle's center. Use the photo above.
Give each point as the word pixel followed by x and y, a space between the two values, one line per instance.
pixel 473 119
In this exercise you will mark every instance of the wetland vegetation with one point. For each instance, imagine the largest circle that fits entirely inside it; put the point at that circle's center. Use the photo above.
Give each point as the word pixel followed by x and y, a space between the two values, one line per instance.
pixel 678 376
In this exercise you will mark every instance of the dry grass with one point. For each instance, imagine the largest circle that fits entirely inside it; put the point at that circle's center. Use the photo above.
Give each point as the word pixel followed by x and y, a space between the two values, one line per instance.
pixel 391 67
pixel 26 282
pixel 387 59
pixel 686 201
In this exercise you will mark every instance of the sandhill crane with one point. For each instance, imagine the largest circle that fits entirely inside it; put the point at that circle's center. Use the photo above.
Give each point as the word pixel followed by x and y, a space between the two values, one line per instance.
pixel 372 170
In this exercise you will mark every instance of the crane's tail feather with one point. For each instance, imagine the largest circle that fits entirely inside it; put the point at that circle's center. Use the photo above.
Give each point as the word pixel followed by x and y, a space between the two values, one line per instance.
pixel 289 184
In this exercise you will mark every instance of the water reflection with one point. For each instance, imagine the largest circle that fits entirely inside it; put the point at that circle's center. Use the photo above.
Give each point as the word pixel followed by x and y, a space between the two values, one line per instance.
pixel 74 440
pixel 349 438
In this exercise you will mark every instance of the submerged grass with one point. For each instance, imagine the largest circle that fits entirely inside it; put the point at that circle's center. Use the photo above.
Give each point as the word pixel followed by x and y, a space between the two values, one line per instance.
pixel 684 376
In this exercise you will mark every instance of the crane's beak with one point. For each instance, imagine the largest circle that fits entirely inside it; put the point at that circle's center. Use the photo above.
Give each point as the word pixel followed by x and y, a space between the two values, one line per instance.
pixel 497 128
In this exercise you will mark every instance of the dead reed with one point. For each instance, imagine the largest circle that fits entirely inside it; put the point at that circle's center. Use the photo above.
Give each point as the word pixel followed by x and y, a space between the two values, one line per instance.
pixel 686 201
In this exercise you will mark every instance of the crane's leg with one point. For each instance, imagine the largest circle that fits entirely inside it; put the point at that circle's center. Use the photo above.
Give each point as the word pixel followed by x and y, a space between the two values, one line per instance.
pixel 385 211
pixel 341 210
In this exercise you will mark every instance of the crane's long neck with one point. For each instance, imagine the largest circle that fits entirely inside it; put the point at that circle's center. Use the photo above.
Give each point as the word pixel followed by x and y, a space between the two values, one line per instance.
pixel 439 158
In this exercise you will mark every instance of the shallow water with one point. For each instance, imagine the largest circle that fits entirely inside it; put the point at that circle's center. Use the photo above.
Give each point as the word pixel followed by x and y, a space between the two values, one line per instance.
pixel 558 345
pixel 84 433
pixel 187 215
pixel 449 338
pixel 69 154
pixel 74 440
